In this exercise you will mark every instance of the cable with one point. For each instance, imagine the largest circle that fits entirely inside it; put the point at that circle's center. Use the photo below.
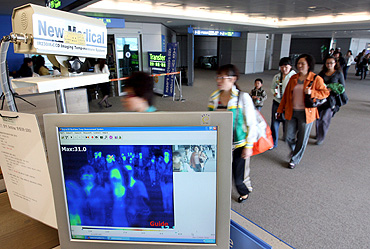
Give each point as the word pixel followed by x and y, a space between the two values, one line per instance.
pixel 8 94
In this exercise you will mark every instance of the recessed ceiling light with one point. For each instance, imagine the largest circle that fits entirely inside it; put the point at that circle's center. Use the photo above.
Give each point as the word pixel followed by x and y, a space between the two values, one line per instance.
pixel 168 21
pixel 256 15
pixel 169 4
pixel 318 9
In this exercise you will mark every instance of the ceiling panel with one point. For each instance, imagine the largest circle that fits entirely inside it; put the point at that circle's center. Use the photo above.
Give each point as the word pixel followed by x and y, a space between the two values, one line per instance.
pixel 280 9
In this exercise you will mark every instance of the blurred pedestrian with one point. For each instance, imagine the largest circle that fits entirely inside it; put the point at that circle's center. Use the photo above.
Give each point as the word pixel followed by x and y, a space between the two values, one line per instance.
pixel 139 93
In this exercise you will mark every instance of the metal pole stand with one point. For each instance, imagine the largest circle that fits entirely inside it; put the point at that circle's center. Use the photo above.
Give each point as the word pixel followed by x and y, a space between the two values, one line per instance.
pixel 61 101
pixel 179 87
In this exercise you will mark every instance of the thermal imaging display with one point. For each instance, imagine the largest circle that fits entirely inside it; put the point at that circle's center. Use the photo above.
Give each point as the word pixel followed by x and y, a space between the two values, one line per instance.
pixel 107 188
pixel 140 184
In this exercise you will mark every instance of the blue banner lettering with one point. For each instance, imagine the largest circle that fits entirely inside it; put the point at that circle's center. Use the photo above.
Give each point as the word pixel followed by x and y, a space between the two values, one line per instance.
pixel 169 80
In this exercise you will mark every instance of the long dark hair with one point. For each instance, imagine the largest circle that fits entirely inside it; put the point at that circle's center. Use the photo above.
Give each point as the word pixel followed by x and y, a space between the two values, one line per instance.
pixel 101 64
pixel 40 62
pixel 336 67
pixel 230 70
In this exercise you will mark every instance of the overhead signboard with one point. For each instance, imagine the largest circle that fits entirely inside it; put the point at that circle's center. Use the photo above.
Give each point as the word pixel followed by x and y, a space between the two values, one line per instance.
pixel 157 59
pixel 59 4
pixel 113 22
pixel 216 33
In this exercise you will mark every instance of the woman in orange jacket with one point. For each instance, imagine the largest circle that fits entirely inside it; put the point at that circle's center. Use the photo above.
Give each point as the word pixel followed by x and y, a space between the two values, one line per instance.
pixel 299 117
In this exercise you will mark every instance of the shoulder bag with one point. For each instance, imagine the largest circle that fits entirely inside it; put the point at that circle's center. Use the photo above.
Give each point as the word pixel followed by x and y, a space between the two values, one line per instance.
pixel 310 102
pixel 264 137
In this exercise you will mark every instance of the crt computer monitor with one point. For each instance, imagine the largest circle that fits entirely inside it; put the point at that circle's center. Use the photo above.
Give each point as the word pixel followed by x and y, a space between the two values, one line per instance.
pixel 138 180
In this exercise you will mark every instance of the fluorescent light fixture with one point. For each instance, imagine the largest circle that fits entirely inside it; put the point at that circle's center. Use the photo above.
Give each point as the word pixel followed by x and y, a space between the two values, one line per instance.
pixel 327 19
pixel 170 4
pixel 185 12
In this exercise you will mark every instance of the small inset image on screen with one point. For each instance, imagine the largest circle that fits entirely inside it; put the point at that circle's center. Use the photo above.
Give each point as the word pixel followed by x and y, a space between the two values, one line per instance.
pixel 194 158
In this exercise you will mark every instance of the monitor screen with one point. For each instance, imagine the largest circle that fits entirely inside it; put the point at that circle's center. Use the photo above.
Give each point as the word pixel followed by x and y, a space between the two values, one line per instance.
pixel 139 184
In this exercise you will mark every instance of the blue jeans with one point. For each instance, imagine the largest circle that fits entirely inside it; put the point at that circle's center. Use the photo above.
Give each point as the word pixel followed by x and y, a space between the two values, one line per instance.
pixel 363 71
pixel 345 71
pixel 297 134
pixel 275 124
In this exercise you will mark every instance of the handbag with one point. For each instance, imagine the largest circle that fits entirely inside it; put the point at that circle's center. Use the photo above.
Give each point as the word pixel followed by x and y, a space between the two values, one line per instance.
pixel 279 118
pixel 264 137
pixel 313 102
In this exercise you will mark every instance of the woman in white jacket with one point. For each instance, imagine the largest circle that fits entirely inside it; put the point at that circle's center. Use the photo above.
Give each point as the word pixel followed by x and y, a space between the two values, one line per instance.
pixel 279 83
pixel 349 60
pixel 228 97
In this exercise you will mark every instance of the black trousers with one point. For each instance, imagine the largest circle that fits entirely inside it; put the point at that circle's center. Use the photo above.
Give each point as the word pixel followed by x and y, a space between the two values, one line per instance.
pixel 323 123
pixel 241 172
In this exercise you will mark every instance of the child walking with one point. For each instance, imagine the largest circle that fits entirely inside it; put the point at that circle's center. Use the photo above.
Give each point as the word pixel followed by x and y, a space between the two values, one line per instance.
pixel 258 94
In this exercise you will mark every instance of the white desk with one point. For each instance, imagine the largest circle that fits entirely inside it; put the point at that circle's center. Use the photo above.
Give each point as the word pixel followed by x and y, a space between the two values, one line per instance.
pixel 58 84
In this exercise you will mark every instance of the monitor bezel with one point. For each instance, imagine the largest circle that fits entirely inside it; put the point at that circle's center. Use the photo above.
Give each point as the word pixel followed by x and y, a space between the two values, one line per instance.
pixel 223 120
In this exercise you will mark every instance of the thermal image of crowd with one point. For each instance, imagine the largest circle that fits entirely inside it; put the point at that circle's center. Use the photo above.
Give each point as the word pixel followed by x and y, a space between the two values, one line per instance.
pixel 120 186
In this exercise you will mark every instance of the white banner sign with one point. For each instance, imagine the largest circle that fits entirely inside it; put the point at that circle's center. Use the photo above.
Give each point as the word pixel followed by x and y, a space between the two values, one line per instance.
pixel 68 37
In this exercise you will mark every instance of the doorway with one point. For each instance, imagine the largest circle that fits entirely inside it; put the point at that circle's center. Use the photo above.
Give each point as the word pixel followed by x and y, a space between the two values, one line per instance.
pixel 224 50
pixel 128 57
